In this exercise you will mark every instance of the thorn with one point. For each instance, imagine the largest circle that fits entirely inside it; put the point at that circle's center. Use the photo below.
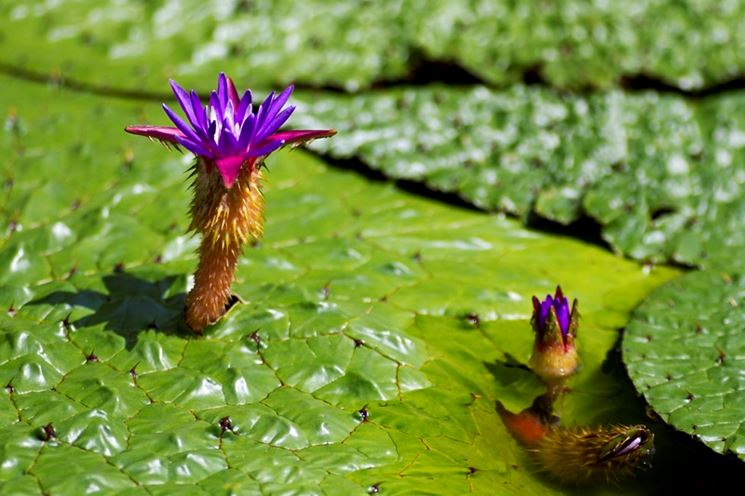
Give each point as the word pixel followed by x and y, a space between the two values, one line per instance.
pixel 363 414
pixel 226 424
pixel 49 432
pixel 473 319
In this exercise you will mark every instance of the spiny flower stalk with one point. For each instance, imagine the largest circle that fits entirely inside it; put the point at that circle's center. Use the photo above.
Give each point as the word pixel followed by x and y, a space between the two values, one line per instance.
pixel 554 355
pixel 580 455
pixel 230 142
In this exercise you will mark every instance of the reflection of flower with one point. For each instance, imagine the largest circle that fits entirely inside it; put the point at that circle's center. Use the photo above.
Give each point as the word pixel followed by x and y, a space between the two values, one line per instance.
pixel 579 455
pixel 554 354
pixel 226 132
pixel 230 142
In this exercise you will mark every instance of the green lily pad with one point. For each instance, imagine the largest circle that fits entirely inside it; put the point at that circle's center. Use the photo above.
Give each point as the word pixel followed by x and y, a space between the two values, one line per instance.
pixel 135 46
pixel 683 350
pixel 660 174
pixel 378 331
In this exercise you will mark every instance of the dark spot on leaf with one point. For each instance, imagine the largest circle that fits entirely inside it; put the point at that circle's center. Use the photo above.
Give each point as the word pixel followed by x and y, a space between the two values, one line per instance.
pixel 12 226
pixel 119 268
pixel 690 397
pixel 11 312
pixel 158 259
pixel 694 427
pixel 243 6
pixel 91 358
pixel 669 376
pixel 49 432
pixel 359 342
pixel 722 355
pixel 473 319
pixel 515 466
pixel 66 322
pixel 133 372
pixel 383 299
pixel 648 338
pixel 356 212
pixel 661 212
pixel 255 243
pixel 374 489
pixel 226 424
pixel 76 204
pixel 235 50
pixel 358 236
pixel 417 256
pixel 10 389
pixel 325 291
pixel 254 336
pixel 363 414
pixel 72 271
pixel 699 328
pixel 472 470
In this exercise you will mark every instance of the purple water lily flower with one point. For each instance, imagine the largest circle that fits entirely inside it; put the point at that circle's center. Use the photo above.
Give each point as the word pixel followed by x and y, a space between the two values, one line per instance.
pixel 226 132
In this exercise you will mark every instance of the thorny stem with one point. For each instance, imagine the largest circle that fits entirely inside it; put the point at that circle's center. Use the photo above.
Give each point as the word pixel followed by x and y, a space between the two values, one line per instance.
pixel 226 218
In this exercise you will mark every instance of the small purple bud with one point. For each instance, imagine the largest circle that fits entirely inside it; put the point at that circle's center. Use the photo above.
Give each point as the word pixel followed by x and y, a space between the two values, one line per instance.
pixel 555 325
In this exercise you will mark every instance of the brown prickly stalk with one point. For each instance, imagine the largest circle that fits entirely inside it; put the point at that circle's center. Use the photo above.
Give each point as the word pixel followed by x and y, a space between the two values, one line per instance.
pixel 226 218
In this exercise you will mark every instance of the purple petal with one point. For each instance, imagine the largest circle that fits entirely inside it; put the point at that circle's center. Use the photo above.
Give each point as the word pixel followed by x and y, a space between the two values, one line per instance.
pixel 170 134
pixel 229 168
pixel 545 309
pixel 227 143
pixel 562 313
pixel 183 126
pixel 246 132
pixel 277 122
pixel 186 103
pixel 266 147
pixel 279 102
pixel 278 140
pixel 201 114
pixel 243 106
pixel 232 93
pixel 216 106
pixel 222 89
pixel 303 135
pixel 197 148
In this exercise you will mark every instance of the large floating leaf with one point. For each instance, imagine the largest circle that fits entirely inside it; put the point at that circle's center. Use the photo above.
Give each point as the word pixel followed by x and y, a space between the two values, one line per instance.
pixel 361 301
pixel 684 351
pixel 575 43
pixel 663 176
